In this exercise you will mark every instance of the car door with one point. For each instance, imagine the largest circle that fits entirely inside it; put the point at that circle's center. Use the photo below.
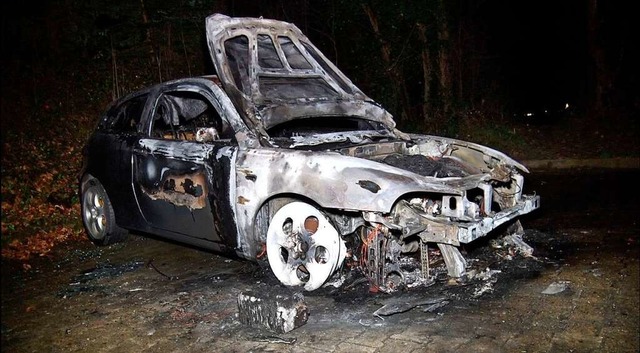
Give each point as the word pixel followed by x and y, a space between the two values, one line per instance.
pixel 181 169
pixel 109 154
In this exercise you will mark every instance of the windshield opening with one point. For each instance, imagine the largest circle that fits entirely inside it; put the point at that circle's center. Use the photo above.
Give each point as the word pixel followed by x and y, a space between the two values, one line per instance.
pixel 282 87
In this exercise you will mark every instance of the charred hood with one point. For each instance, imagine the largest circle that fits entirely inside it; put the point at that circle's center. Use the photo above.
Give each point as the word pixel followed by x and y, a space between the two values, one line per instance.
pixel 274 74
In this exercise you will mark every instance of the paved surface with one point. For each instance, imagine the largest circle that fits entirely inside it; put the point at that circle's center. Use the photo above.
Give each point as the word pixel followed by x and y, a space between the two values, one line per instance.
pixel 148 295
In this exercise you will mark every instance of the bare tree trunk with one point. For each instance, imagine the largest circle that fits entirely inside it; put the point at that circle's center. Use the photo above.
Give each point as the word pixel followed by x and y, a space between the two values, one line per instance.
pixel 426 75
pixel 145 21
pixel 395 74
pixel 115 87
pixel 600 81
pixel 460 69
pixel 474 76
pixel 159 64
pixel 444 60
pixel 184 48
pixel 168 53
pixel 445 80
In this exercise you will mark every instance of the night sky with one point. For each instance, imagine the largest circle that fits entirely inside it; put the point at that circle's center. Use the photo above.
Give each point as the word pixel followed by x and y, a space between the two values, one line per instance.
pixel 544 51
pixel 542 46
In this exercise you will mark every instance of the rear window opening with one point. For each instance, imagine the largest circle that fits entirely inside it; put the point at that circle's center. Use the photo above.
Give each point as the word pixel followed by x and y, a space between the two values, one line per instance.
pixel 284 87
pixel 323 125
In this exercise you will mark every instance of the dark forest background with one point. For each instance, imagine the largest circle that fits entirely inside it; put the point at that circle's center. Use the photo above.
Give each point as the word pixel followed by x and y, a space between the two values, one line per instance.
pixel 429 62
pixel 461 68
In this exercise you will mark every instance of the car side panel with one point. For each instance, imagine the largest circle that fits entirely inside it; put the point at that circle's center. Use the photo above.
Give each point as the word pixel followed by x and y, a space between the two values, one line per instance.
pixel 329 179
pixel 109 160
pixel 182 187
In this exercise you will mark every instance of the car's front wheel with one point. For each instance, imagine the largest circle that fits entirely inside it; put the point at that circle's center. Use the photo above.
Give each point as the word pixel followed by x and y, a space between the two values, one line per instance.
pixel 98 216
pixel 303 248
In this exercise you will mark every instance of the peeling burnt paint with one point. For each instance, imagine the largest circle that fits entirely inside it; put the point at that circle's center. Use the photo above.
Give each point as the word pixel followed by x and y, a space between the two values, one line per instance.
pixel 182 190
pixel 352 137
pixel 225 212
pixel 182 150
pixel 248 174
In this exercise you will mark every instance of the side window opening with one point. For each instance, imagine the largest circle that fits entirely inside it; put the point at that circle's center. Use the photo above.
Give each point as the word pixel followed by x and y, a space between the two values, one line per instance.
pixel 126 116
pixel 188 116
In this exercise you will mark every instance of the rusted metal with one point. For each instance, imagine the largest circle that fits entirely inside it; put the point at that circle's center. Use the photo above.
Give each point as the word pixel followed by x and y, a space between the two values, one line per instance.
pixel 182 190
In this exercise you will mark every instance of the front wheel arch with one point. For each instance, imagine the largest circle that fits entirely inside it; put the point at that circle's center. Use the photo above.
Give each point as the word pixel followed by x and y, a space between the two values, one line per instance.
pixel 324 264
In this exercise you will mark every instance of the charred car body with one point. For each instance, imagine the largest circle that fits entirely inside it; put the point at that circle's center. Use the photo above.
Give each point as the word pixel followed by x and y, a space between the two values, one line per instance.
pixel 280 157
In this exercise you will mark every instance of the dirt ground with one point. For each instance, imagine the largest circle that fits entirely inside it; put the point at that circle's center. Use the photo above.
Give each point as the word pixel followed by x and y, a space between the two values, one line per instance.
pixel 149 295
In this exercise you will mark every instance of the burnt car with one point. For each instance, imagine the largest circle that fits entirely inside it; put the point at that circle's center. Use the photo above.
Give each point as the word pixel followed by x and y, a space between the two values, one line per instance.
pixel 280 158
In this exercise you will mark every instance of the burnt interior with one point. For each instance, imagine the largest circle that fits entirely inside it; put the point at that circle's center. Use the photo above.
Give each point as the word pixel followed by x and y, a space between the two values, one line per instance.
pixel 425 166
pixel 180 115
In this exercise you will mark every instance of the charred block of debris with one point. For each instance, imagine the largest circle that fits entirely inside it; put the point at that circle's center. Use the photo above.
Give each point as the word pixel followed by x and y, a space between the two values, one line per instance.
pixel 279 312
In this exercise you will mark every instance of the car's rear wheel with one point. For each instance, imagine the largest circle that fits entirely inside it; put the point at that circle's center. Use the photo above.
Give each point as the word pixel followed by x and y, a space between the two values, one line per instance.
pixel 98 216
pixel 303 248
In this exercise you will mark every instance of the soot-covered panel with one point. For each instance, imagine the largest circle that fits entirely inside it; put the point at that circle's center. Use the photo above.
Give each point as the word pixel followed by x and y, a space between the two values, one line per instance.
pixel 426 166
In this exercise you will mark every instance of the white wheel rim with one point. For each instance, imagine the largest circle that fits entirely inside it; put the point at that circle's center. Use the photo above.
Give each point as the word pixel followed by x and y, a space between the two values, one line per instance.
pixel 298 257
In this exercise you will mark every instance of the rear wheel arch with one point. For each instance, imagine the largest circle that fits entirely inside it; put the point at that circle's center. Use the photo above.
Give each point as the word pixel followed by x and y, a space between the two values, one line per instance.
pixel 97 213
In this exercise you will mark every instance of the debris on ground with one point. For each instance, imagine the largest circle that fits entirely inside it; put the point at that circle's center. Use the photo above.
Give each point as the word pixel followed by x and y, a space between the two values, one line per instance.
pixel 556 287
pixel 87 280
pixel 433 307
pixel 151 265
pixel 486 287
pixel 514 245
pixel 279 312
pixel 402 304
pixel 336 282
pixel 274 339
pixel 596 272
pixel 515 240
pixel 486 276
